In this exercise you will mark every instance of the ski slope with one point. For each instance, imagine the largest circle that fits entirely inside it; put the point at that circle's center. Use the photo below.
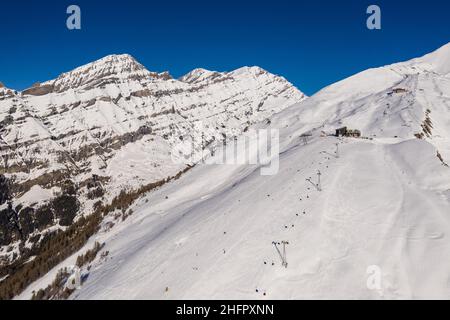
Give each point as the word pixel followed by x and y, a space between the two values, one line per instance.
pixel 382 204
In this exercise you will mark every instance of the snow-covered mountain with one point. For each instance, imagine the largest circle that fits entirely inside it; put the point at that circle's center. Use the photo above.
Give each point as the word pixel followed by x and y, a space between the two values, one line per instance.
pixel 376 228
pixel 72 144
pixel 383 205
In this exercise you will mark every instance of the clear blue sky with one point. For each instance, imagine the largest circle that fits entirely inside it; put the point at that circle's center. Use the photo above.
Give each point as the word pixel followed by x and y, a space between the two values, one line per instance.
pixel 311 43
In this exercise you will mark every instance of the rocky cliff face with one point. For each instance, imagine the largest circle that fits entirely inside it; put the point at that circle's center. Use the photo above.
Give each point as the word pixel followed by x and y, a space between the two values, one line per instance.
pixel 73 143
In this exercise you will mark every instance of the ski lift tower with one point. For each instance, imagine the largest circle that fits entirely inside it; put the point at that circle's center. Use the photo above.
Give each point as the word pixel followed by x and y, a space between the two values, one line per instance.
pixel 319 187
pixel 305 138
pixel 283 253
pixel 285 264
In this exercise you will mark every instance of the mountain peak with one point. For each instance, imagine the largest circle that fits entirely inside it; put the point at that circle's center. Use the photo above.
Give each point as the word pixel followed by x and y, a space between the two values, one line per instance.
pixel 122 66
pixel 255 70
pixel 112 68
pixel 116 60
pixel 198 75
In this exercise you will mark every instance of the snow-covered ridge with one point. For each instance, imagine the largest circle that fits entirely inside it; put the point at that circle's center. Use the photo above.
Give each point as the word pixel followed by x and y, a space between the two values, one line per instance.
pixel 198 75
pixel 390 101
pixel 114 67
pixel 438 61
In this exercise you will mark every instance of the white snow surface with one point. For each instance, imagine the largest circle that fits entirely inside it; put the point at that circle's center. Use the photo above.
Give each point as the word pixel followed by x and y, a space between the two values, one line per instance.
pixel 382 204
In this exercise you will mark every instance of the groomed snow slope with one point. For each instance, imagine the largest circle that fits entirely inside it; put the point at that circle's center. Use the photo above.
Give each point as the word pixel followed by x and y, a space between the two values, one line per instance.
pixel 385 202
pixel 382 204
